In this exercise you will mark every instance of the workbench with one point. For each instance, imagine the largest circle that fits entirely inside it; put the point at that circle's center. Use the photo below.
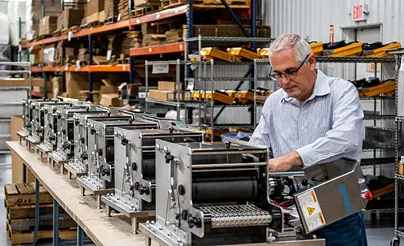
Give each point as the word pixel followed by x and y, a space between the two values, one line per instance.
pixel 101 229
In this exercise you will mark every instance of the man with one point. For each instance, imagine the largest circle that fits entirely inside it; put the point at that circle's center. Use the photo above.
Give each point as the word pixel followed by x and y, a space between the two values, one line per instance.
pixel 312 119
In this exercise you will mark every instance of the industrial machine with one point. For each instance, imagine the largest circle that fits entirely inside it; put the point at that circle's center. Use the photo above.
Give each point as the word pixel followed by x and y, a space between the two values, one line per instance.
pixel 79 165
pixel 28 109
pixel 214 194
pixel 100 178
pixel 65 133
pixel 135 169
pixel 50 127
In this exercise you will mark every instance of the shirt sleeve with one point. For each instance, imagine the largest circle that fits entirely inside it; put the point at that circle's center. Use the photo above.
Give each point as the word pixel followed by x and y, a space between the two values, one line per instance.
pixel 261 134
pixel 345 136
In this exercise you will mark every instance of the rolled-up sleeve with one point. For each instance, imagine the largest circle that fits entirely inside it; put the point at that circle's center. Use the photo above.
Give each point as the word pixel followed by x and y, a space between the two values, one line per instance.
pixel 345 136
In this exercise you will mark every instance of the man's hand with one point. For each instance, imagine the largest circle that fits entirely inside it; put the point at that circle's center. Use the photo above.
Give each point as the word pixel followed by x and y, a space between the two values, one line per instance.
pixel 284 163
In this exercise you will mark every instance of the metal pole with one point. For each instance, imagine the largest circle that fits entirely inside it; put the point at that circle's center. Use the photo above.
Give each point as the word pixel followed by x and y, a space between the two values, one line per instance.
pixel 188 46
pixel 80 236
pixel 63 63
pixel 254 23
pixel 90 62
pixel 146 75
pixel 55 217
pixel 236 19
pixel 44 85
pixel 132 70
pixel 37 197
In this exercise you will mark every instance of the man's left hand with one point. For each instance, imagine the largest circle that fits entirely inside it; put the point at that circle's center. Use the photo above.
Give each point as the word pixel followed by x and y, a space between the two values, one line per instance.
pixel 284 163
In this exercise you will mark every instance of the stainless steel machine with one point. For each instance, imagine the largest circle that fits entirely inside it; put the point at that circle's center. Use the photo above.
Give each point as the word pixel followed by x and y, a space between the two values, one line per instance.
pixel 50 128
pixel 65 133
pixel 216 194
pixel 135 169
pixel 28 113
pixel 100 178
pixel 79 165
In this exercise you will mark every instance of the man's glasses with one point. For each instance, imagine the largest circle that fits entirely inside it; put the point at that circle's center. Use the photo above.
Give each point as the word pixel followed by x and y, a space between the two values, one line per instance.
pixel 287 74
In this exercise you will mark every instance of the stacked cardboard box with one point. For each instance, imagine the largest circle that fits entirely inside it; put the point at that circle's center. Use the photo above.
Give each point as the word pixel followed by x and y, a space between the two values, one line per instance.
pixel 174 35
pixel 123 8
pixel 168 91
pixel 51 6
pixel 136 39
pixel 227 30
pixel 94 6
pixel 47 25
pixel 154 33
pixel 69 18
pixel 111 8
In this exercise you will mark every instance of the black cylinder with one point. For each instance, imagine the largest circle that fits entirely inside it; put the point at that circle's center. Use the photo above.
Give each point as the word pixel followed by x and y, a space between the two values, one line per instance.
pixel 236 188
pixel 149 167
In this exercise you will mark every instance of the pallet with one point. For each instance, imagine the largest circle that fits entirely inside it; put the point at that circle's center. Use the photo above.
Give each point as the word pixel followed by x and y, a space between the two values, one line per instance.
pixel 145 10
pixel 56 33
pixel 110 20
pixel 84 26
pixel 65 31
pixel 230 2
pixel 28 211
pixel 44 36
pixel 95 24
pixel 18 238
pixel 24 194
pixel 74 29
pixel 27 225
pixel 164 4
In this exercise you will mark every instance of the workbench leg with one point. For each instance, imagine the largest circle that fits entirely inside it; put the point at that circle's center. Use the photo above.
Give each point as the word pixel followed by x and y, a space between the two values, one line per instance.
pixel 108 210
pixel 135 225
pixel 24 173
pixel 83 191
pixel 69 174
pixel 37 197
pixel 147 241
pixel 99 202
pixel 80 236
pixel 62 168
pixel 55 217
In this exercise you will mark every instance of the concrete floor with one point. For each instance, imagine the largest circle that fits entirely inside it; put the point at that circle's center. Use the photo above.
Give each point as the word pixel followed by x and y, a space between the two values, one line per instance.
pixel 379 233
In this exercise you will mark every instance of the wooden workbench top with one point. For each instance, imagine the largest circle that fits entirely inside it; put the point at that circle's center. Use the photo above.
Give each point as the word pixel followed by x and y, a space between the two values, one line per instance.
pixel 102 230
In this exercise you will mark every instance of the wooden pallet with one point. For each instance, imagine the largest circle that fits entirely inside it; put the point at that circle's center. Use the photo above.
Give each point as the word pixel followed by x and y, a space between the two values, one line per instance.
pixel 18 238
pixel 230 2
pixel 95 24
pixel 145 10
pixel 83 26
pixel 65 31
pixel 44 36
pixel 56 33
pixel 111 20
pixel 24 194
pixel 28 211
pixel 74 29
pixel 27 225
pixel 164 4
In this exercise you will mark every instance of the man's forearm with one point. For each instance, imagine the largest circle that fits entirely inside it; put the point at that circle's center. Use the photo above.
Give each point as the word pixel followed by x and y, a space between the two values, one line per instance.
pixel 294 159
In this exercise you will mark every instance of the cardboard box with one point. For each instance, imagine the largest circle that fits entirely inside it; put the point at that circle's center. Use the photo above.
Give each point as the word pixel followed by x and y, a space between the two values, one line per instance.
pixel 57 86
pixel 111 100
pixel 17 165
pixel 162 95
pixel 94 6
pixel 139 3
pixel 48 25
pixel 59 25
pixel 70 17
pixel 76 82
pixel 168 86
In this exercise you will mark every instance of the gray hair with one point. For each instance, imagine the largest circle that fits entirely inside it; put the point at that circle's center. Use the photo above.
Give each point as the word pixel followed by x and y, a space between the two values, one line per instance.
pixel 291 41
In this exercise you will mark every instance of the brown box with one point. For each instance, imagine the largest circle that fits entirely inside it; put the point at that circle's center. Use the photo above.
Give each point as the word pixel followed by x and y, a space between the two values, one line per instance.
pixel 162 95
pixel 228 30
pixel 17 165
pixel 70 17
pixel 168 86
pixel 48 25
pixel 94 6
pixel 76 82
pixel 111 8
pixel 59 25
pixel 139 3
pixel 111 99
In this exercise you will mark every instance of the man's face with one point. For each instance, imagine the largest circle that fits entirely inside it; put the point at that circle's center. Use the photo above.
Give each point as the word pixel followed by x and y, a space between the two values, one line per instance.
pixel 300 85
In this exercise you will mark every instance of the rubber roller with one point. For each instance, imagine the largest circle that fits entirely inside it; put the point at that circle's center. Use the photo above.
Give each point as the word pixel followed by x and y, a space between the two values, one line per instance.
pixel 224 189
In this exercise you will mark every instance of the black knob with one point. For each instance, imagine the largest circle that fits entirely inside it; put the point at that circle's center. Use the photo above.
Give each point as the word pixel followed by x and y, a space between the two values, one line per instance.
pixel 144 190
pixel 137 186
pixel 181 190
pixel 46 111
pixel 173 124
pixel 84 156
pixel 37 120
pixel 305 182
pixel 104 172
pixel 169 158
pixel 82 140
pixel 92 131
pixel 77 122
pixel 194 221
pixel 124 141
pixel 184 214
pixel 227 144
pixel 171 129
pixel 66 146
pixel 100 152
pixel 52 138
pixel 59 116
pixel 64 132
pixel 50 125
pixel 134 166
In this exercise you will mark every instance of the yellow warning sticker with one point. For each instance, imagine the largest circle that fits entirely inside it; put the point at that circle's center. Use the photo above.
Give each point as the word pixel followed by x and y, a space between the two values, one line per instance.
pixel 310 210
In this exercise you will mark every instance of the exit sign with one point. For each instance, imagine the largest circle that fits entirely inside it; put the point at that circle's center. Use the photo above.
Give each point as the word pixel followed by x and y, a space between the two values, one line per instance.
pixel 360 12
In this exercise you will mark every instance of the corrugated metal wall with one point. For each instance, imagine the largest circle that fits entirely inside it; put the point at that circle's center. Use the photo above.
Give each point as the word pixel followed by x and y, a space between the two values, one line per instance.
pixel 311 18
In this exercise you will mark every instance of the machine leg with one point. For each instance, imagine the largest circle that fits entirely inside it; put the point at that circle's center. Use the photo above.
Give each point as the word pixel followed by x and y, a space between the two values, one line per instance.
pixel 83 191
pixel 80 236
pixel 55 234
pixel 62 168
pixel 37 197
pixel 108 210
pixel 395 241
pixel 99 202
pixel 135 225
pixel 148 241
pixel 69 174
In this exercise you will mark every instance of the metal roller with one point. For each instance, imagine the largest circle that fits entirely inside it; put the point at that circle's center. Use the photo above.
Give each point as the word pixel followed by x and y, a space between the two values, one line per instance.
pixel 149 167
pixel 224 189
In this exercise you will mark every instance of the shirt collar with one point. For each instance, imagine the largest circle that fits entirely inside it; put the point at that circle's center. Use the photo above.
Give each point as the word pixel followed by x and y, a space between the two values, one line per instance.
pixel 321 87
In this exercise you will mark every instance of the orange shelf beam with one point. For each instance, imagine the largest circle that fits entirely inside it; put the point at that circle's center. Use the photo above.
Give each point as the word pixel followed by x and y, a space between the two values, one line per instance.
pixel 158 49
pixel 167 13
pixel 110 27
pixel 36 69
pixel 110 68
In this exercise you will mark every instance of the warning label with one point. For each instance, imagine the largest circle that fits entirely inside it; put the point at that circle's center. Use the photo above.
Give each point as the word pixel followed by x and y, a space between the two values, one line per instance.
pixel 312 214
pixel 310 210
